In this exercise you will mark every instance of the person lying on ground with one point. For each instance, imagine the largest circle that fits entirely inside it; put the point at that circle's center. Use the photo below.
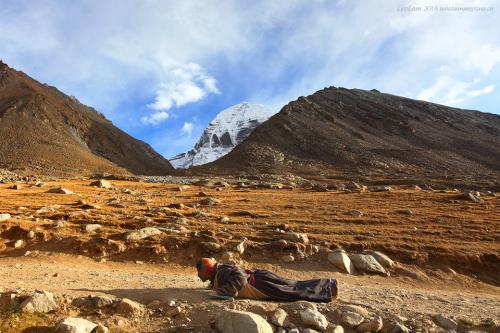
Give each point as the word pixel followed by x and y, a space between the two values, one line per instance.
pixel 232 281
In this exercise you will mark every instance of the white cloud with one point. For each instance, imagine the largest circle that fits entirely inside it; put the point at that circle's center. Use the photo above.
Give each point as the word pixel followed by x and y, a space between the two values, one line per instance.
pixel 155 118
pixel 449 91
pixel 187 128
pixel 187 84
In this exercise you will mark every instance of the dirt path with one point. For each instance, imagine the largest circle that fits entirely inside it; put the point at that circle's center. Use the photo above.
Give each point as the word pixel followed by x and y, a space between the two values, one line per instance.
pixel 80 276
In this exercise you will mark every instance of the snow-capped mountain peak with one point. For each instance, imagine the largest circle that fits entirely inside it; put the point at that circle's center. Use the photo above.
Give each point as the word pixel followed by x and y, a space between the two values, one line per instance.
pixel 230 127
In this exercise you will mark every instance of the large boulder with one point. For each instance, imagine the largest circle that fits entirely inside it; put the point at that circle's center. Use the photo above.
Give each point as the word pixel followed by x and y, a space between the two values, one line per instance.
pixel 367 263
pixel 75 325
pixel 60 190
pixel 232 321
pixel 40 301
pixel 141 234
pixel 341 260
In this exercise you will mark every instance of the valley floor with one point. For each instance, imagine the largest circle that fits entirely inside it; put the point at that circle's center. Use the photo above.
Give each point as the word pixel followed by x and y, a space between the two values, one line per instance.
pixel 446 248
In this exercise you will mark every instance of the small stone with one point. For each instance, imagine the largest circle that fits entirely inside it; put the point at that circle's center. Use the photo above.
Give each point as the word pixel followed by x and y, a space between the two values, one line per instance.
pixel 279 317
pixel 16 187
pixel 232 321
pixel 373 325
pixel 297 237
pixel 129 308
pixel 288 258
pixel 224 219
pixel 351 319
pixel 102 183
pixel 60 190
pixel 4 217
pixel 209 201
pixel 19 243
pixel 40 301
pixel 101 329
pixel 90 228
pixel 355 213
pixel 334 329
pixel 314 318
pixel 400 328
pixel 444 322
pixel 75 325
pixel 30 234
pixel 142 233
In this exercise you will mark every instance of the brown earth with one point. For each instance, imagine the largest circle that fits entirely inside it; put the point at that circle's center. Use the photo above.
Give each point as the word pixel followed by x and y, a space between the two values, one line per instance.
pixel 45 132
pixel 443 231
pixel 356 133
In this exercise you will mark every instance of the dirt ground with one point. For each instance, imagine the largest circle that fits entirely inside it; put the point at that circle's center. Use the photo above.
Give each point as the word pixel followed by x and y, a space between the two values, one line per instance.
pixel 449 244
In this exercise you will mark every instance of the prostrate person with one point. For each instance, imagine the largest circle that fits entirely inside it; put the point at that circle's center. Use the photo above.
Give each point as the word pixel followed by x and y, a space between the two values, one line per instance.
pixel 232 281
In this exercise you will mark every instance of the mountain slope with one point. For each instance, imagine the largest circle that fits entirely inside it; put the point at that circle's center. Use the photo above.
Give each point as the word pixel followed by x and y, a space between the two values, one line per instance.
pixel 230 127
pixel 45 131
pixel 358 132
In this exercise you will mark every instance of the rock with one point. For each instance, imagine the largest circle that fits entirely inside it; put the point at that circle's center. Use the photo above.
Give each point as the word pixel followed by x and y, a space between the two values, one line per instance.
pixel 382 259
pixel 240 248
pixel 93 302
pixel 101 329
pixel 19 243
pixel 60 190
pixel 4 217
pixel 334 329
pixel 224 219
pixel 373 325
pixel 232 321
pixel 211 246
pixel 308 330
pixel 351 319
pixel 209 201
pixel 40 301
pixel 356 309
pixel 129 308
pixel 341 260
pixel 92 227
pixel 102 183
pixel 444 322
pixel 9 302
pixel 30 234
pixel 472 196
pixel 367 263
pixel 279 317
pixel 40 184
pixel 15 187
pixel 300 305
pixel 141 234
pixel 75 325
pixel 297 237
pixel 314 318
pixel 400 328
pixel 355 213
pixel 288 258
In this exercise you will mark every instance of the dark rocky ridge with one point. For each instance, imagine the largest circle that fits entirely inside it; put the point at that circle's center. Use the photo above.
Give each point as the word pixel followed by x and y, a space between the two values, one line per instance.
pixel 344 132
pixel 44 131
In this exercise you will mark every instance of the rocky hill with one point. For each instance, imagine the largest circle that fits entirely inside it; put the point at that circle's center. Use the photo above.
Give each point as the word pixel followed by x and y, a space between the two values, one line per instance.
pixel 338 131
pixel 44 131
pixel 230 127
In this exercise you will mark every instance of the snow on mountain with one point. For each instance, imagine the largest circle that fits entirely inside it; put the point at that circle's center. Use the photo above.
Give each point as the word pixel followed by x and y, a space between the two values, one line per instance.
pixel 230 127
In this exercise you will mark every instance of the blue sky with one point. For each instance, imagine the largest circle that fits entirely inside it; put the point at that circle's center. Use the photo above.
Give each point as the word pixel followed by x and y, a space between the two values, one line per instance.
pixel 161 70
